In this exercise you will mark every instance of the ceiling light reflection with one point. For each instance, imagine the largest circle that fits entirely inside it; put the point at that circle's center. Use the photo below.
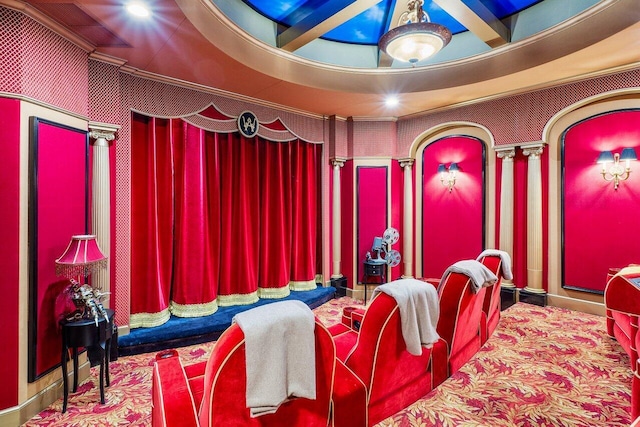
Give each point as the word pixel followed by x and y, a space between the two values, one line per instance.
pixel 138 9
pixel 392 101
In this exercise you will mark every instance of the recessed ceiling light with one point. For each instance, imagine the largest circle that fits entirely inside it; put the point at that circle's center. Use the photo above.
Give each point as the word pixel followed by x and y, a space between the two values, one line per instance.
pixel 392 101
pixel 138 9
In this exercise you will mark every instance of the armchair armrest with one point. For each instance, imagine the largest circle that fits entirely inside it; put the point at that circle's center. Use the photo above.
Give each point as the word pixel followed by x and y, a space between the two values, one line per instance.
pixel 351 315
pixel 356 319
pixel 173 403
pixel 622 293
pixel 349 399
pixel 439 362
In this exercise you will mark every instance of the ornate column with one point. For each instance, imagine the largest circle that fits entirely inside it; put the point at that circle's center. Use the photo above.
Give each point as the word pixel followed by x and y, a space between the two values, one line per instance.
pixel 506 205
pixel 101 134
pixel 534 218
pixel 336 219
pixel 407 220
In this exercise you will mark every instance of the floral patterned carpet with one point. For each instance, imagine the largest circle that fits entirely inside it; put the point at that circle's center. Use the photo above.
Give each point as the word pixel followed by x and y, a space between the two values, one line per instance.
pixel 542 367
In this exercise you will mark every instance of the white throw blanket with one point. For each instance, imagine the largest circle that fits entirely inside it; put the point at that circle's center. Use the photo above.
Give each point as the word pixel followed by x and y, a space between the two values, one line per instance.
pixel 505 266
pixel 480 275
pixel 280 354
pixel 419 311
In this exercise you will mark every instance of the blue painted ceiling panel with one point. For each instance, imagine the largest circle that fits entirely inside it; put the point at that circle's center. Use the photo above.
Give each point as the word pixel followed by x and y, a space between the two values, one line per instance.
pixel 370 25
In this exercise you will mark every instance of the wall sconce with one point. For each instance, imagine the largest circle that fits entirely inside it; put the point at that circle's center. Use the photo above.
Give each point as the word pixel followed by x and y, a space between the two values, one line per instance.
pixel 616 172
pixel 448 175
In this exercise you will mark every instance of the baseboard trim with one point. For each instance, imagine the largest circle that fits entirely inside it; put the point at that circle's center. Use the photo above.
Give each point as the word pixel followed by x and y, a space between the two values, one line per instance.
pixel 18 415
pixel 576 304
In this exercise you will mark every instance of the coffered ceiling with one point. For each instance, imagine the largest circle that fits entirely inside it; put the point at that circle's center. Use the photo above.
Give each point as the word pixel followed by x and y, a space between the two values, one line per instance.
pixel 320 56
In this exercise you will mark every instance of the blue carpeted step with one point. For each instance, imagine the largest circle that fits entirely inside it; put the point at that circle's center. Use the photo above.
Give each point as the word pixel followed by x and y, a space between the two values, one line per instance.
pixel 183 331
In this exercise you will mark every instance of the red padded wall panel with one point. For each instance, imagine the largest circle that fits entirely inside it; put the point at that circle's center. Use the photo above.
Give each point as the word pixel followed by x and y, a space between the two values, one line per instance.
pixel 9 249
pixel 347 195
pixel 371 209
pixel 58 210
pixel 601 226
pixel 452 222
pixel 397 212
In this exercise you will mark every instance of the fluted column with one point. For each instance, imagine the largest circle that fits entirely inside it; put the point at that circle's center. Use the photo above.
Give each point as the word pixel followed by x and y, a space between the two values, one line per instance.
pixel 407 220
pixel 506 205
pixel 101 134
pixel 336 219
pixel 534 218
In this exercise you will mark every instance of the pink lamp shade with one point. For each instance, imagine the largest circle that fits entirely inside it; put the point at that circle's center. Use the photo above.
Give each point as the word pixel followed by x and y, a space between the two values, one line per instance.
pixel 82 257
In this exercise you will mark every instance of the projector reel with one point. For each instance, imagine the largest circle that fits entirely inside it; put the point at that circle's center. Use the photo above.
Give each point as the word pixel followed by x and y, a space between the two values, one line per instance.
pixel 393 258
pixel 390 236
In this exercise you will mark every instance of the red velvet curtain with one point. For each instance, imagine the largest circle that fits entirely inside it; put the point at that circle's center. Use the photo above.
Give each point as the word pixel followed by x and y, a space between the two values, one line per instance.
pixel 275 215
pixel 196 225
pixel 304 211
pixel 240 205
pixel 218 219
pixel 152 221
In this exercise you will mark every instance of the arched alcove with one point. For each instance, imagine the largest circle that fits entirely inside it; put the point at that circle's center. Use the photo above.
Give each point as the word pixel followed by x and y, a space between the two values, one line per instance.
pixel 583 171
pixel 460 223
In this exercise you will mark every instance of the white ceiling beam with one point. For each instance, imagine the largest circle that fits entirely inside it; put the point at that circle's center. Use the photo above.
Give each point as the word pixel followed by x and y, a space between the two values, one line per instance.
pixel 478 19
pixel 324 19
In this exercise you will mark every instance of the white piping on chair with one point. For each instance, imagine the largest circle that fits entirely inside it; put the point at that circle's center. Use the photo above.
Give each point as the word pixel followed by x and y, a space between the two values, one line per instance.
pixel 217 376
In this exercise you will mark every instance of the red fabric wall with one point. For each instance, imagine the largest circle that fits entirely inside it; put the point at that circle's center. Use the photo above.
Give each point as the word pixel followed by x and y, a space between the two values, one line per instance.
pixel 520 220
pixel 9 249
pixel 397 212
pixel 452 222
pixel 601 226
pixel 348 223
pixel 61 213
pixel 372 217
pixel 112 213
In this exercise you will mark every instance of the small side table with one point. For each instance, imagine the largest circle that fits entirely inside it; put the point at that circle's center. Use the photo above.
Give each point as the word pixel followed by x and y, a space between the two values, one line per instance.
pixel 373 269
pixel 85 333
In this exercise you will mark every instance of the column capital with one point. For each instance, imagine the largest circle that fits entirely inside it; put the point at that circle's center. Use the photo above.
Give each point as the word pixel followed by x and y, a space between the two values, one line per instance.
pixel 506 153
pixel 102 131
pixel 338 161
pixel 406 162
pixel 532 150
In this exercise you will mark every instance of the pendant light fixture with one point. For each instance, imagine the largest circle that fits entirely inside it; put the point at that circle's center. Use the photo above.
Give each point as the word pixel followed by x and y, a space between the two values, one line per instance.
pixel 415 38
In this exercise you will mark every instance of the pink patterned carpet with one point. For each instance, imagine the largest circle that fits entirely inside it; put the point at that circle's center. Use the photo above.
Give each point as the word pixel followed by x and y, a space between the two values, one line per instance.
pixel 542 367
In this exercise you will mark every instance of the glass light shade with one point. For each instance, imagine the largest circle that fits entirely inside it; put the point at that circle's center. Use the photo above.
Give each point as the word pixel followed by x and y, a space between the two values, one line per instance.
pixel 453 167
pixel 82 256
pixel 605 157
pixel 628 154
pixel 414 42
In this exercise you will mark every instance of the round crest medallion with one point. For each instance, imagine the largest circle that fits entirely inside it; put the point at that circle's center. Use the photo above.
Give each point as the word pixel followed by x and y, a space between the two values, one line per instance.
pixel 248 124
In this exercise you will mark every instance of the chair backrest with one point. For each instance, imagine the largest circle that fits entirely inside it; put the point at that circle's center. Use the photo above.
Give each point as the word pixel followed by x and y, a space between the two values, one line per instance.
pixel 460 316
pixel 394 378
pixel 491 302
pixel 224 400
pixel 380 330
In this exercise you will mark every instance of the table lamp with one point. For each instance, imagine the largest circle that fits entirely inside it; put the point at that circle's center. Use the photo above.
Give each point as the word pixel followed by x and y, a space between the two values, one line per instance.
pixel 81 258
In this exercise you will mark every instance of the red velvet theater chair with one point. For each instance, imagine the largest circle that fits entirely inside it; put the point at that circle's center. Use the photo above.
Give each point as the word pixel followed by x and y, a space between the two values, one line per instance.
pixel 461 301
pixel 214 393
pixel 635 382
pixel 622 302
pixel 378 355
pixel 499 263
